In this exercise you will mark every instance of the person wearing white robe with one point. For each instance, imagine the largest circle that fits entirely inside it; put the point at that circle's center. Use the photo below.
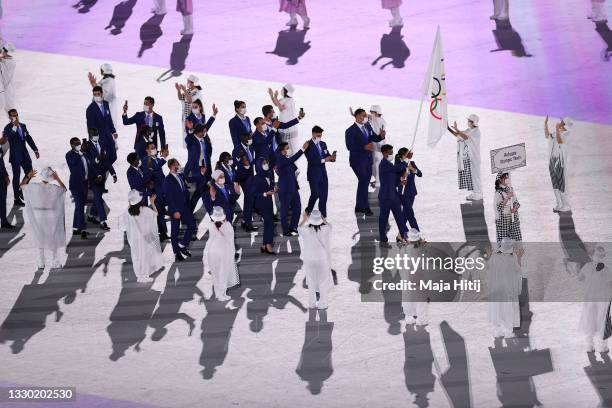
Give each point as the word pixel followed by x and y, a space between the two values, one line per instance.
pixel 45 214
pixel 597 277
pixel 109 91
pixel 140 223
pixel 558 161
pixel 7 75
pixel 314 238
pixel 504 284
pixel 287 112
pixel 468 157
pixel 378 123
pixel 219 253
pixel 186 95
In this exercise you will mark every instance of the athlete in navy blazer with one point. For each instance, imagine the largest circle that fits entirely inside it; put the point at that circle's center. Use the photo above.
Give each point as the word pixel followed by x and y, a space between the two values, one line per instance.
pixel 100 165
pixel 359 138
pixel 153 165
pixel 409 191
pixel 288 188
pixel 317 155
pixel 388 196
pixel 80 170
pixel 244 159
pixel 18 137
pixel 99 117
pixel 4 182
pixel 199 155
pixel 264 190
pixel 137 178
pixel 240 123
pixel 148 118
pixel 222 194
pixel 192 121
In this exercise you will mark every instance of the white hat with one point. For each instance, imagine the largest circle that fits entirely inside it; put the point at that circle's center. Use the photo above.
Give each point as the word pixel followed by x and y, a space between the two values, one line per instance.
pixel 216 174
pixel 376 108
pixel 315 218
pixel 47 174
pixel 106 68
pixel 134 197
pixel 194 79
pixel 8 46
pixel 506 246
pixel 568 122
pixel 218 214
pixel 290 90
pixel 474 118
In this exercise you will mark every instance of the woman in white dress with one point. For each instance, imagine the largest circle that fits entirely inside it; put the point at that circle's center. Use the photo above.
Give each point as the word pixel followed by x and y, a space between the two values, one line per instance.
pixel 186 95
pixel 109 91
pixel 143 237
pixel 7 74
pixel 468 157
pixel 597 277
pixel 558 161
pixel 314 238
pixel 504 284
pixel 45 213
pixel 287 112
pixel 219 253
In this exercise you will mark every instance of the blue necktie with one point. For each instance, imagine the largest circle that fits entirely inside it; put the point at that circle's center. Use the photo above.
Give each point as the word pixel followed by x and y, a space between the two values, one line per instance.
pixel 97 148
pixel 148 119
pixel 102 109
pixel 319 149
pixel 365 133
pixel 180 183
pixel 248 151
pixel 225 193
pixel 203 148
pixel 20 132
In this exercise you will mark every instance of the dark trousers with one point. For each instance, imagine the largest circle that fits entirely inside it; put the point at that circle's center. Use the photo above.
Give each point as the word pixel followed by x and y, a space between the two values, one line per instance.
pixel 264 205
pixel 363 171
pixel 26 166
pixel 160 205
pixel 318 191
pixel 3 189
pixel 290 201
pixel 387 206
pixel 79 196
pixel 97 209
pixel 249 203
pixel 407 202
pixel 187 219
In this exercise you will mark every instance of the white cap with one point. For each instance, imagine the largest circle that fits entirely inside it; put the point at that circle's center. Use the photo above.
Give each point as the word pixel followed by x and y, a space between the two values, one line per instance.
pixel 194 79
pixel 47 174
pixel 376 108
pixel 506 246
pixel 315 218
pixel 216 174
pixel 106 68
pixel 569 123
pixel 474 118
pixel 217 214
pixel 134 197
pixel 290 90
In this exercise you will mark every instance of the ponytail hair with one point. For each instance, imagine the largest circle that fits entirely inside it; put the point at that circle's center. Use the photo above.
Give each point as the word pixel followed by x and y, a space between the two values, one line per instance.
pixel 498 185
pixel 134 210
pixel 401 152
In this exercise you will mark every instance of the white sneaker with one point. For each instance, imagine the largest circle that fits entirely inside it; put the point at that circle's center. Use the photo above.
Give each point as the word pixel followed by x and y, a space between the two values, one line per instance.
pixel 396 22
pixel 589 346
pixel 410 320
pixel 158 11
pixel 322 306
pixel 421 321
pixel 474 197
pixel 292 22
pixel 565 208
pixel 41 266
pixel 306 22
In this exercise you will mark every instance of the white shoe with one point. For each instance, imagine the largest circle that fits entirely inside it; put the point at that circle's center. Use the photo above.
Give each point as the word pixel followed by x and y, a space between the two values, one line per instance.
pixel 322 306
pixel 410 320
pixel 306 22
pixel 223 298
pixel 565 209
pixel 396 22
pixel 493 17
pixel 422 321
pixel 508 334
pixel 56 265
pixel 474 197
pixel 292 22
pixel 589 346
pixel 158 11
pixel 503 17
pixel 41 266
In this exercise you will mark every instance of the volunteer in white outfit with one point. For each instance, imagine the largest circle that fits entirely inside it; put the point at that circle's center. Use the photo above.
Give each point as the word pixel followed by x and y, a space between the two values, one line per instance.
pixel 109 91
pixel 500 10
pixel 44 213
pixel 558 161
pixel 219 253
pixel 140 224
pixel 597 277
pixel 598 11
pixel 287 112
pixel 7 74
pixel 468 157
pixel 314 238
pixel 187 94
pixel 504 284
pixel 377 122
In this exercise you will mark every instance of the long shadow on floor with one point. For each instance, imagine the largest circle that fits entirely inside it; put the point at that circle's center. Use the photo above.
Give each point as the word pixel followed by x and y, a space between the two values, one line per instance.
pixel 11 237
pixel 600 375
pixel 178 58
pixel 84 6
pixel 394 48
pixel 315 365
pixel 39 300
pixel 508 39
pixel 291 44
pixel 572 245
pixel 606 35
pixel 121 13
pixel 418 364
pixel 150 32
pixel 456 379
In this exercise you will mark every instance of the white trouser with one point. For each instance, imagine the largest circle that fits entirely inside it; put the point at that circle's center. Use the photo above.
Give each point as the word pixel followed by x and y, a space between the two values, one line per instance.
pixel 159 5
pixel 500 9
pixel 7 98
pixel 41 258
pixel 378 156
pixel 476 182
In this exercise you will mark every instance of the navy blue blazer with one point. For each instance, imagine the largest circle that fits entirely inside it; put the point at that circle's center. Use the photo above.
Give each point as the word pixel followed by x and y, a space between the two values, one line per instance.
pixel 355 141
pixel 237 129
pixel 225 198
pixel 230 174
pixel 102 122
pixel 156 183
pixel 138 179
pixel 411 189
pixel 262 145
pixel 316 168
pixel 190 138
pixel 193 157
pixel 3 172
pixel 177 198
pixel 285 168
pixel 283 125
pixel 77 181
pixel 98 167
pixel 244 175
pixel 18 153
pixel 388 174
pixel 157 127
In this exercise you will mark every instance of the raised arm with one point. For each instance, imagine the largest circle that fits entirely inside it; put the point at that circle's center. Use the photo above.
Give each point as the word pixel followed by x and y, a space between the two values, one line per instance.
pixel 546 129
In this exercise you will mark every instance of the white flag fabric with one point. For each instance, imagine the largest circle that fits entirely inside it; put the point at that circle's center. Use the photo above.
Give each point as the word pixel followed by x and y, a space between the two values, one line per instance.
pixel 434 90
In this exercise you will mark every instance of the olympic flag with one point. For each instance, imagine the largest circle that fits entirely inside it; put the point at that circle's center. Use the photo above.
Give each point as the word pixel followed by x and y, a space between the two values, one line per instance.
pixel 434 88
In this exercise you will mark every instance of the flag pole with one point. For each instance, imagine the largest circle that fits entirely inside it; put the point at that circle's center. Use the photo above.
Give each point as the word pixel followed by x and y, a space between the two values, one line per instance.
pixel 416 126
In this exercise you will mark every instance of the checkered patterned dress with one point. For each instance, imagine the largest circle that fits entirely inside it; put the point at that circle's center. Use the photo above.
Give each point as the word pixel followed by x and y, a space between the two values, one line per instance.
pixel 557 173
pixel 507 225
pixel 465 175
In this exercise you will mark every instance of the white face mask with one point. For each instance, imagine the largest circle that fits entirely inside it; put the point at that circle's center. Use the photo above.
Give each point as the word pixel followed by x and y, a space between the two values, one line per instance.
pixel 179 169
pixel 221 181
pixel 265 167
pixel 365 120
pixel 249 142
pixel 97 99
pixel 406 160
pixel 317 139
pixel 153 153
pixel 288 152
pixel 195 111
pixel 95 139
pixel 242 111
pixel 264 128
pixel 14 119
pixel 77 148
pixel 145 108
pixel 230 163
pixel 390 158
